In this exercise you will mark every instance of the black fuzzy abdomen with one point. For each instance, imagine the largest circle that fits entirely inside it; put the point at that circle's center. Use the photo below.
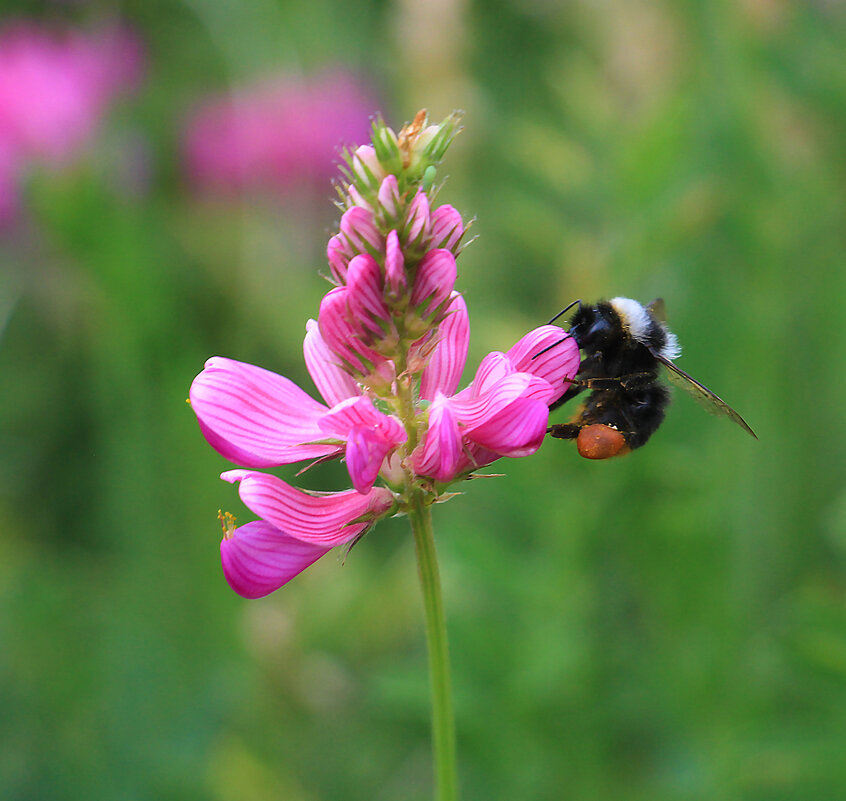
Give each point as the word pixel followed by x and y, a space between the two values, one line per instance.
pixel 635 413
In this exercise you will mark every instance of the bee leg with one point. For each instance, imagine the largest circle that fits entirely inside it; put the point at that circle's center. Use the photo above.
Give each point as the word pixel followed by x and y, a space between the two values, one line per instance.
pixel 597 383
pixel 637 381
pixel 574 389
pixel 627 382
pixel 564 430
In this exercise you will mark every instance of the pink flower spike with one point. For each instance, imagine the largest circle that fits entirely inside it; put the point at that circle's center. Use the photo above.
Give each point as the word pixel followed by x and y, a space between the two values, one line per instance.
pixel 395 280
pixel 254 417
pixel 258 558
pixel 517 430
pixel 441 451
pixel 443 372
pixel 358 227
pixel 331 381
pixel 325 520
pixel 447 228
pixel 557 365
pixel 434 281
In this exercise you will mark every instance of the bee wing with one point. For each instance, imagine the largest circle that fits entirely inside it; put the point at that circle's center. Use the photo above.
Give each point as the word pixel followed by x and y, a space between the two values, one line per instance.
pixel 658 310
pixel 701 394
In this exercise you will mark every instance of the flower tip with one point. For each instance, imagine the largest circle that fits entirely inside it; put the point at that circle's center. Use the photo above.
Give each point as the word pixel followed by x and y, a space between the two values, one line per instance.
pixel 233 476
pixel 259 558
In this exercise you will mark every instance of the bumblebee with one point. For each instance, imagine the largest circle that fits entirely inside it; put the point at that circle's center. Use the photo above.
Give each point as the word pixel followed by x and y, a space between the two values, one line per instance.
pixel 625 348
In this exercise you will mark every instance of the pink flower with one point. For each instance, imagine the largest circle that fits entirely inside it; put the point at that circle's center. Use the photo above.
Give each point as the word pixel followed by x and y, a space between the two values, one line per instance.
pixel 55 89
pixel 296 530
pixel 277 135
pixel 505 409
pixel 386 353
pixel 259 419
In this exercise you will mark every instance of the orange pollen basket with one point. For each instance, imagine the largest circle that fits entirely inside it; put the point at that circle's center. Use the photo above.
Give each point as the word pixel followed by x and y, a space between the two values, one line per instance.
pixel 601 442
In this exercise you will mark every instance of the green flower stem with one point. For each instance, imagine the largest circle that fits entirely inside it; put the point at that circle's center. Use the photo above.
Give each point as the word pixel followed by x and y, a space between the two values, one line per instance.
pixel 443 725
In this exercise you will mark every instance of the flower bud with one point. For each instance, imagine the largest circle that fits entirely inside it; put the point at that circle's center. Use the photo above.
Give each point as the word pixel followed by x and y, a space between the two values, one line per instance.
pixel 386 147
pixel 426 146
pixel 338 254
pixel 366 305
pixel 434 282
pixel 416 227
pixel 341 336
pixel 365 169
pixel 417 161
pixel 359 228
pixel 357 198
pixel 395 278
pixel 446 229
pixel 389 200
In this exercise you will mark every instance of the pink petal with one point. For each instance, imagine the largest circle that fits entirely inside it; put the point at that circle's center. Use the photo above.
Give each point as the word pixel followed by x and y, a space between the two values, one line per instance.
pixel 395 280
pixel 258 558
pixel 366 450
pixel 443 372
pixel 254 417
pixel 434 281
pixel 475 456
pixel 557 365
pixel 447 228
pixel 370 434
pixel 331 381
pixel 493 368
pixel 359 411
pixel 441 450
pixel 476 412
pixel 319 519
pixel 516 430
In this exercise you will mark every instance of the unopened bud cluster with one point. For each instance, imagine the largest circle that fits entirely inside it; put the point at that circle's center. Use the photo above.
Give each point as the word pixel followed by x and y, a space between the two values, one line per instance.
pixel 393 259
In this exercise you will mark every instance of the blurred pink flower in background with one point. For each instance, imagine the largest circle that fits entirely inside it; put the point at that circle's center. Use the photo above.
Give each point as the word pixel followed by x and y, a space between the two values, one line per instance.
pixel 277 135
pixel 55 88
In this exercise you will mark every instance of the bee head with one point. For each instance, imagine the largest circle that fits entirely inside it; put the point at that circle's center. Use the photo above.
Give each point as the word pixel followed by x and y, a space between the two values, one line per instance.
pixel 595 326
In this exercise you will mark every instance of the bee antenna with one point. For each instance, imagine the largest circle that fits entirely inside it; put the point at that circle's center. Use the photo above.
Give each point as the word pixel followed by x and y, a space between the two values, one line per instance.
pixel 564 311
pixel 550 347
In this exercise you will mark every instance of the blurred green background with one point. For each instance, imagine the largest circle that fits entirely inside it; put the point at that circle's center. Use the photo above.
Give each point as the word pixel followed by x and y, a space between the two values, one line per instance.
pixel 667 626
